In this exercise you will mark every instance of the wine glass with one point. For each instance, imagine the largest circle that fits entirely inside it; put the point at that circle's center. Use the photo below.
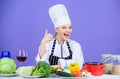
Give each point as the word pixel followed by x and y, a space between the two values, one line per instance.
pixel 22 56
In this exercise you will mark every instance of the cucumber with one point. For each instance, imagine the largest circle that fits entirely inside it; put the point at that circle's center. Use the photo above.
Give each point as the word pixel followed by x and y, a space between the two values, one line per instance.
pixel 64 74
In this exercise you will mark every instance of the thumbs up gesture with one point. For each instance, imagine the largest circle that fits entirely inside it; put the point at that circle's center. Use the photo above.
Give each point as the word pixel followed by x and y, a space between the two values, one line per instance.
pixel 47 36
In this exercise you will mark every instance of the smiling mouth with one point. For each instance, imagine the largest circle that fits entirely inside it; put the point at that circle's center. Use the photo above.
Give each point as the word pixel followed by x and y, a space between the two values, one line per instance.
pixel 66 35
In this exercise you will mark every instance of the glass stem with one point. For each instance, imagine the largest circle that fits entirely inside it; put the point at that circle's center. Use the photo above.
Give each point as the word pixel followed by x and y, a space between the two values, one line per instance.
pixel 21 63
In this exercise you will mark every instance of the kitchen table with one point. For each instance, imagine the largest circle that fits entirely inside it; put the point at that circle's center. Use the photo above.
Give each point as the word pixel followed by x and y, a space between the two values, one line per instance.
pixel 53 76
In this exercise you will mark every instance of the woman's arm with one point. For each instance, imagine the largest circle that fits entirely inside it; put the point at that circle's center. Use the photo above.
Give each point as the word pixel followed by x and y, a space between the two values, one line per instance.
pixel 47 37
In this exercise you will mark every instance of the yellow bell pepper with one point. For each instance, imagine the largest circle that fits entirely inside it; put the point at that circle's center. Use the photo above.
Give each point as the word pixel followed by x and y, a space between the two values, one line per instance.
pixel 74 67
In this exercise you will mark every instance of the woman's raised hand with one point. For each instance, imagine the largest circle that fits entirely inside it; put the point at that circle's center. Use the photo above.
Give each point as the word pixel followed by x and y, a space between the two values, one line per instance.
pixel 47 36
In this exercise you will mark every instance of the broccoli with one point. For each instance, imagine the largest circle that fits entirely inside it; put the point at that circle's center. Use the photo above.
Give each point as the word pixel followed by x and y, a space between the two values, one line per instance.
pixel 42 69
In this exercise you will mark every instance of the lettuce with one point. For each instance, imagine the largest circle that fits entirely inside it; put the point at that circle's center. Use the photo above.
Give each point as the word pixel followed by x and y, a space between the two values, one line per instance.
pixel 7 66
pixel 25 70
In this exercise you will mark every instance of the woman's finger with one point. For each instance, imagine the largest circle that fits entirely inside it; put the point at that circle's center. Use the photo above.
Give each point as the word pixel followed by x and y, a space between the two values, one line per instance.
pixel 46 32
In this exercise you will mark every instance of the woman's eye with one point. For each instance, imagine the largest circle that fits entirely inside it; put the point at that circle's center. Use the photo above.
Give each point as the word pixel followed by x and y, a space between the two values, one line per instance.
pixel 63 27
pixel 70 27
pixel 66 27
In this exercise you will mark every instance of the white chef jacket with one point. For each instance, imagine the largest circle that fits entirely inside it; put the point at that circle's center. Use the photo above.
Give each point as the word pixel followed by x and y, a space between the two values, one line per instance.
pixel 77 55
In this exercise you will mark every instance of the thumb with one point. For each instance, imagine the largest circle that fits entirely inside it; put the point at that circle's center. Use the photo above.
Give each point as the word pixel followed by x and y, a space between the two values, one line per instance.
pixel 46 32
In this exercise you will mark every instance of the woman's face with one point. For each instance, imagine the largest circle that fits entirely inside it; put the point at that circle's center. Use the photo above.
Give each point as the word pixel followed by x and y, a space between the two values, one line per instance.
pixel 63 32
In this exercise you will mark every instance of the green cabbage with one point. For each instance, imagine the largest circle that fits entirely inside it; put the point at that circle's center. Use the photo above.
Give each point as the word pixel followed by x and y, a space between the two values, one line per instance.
pixel 7 66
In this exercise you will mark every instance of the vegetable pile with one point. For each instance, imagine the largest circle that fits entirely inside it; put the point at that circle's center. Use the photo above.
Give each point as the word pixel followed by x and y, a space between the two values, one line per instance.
pixel 76 71
pixel 42 69
pixel 7 66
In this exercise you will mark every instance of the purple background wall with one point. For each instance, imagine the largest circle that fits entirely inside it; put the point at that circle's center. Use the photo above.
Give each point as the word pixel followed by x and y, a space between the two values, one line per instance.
pixel 96 26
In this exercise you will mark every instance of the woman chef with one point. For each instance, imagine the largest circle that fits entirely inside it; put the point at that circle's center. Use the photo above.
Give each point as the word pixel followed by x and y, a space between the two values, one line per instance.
pixel 60 50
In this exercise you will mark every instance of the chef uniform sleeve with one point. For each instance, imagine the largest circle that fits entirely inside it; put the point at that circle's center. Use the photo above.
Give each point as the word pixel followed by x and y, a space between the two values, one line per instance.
pixel 45 56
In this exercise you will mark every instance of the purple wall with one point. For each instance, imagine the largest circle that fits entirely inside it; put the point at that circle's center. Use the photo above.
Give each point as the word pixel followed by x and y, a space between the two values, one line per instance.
pixel 96 26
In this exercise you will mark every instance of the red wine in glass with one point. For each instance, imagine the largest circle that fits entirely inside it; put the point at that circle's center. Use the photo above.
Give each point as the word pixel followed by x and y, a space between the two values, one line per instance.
pixel 22 56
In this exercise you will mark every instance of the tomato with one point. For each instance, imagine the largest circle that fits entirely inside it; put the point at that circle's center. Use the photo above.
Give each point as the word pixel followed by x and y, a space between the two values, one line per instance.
pixel 84 71
pixel 77 74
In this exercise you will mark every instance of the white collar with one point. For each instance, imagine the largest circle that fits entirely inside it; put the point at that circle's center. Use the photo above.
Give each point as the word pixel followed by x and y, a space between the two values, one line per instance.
pixel 63 43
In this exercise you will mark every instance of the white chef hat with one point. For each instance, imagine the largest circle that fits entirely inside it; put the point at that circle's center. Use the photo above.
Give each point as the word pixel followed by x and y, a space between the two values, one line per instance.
pixel 59 15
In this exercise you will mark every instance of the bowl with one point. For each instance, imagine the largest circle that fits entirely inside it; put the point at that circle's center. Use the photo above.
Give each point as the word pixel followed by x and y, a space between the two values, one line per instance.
pixel 96 68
